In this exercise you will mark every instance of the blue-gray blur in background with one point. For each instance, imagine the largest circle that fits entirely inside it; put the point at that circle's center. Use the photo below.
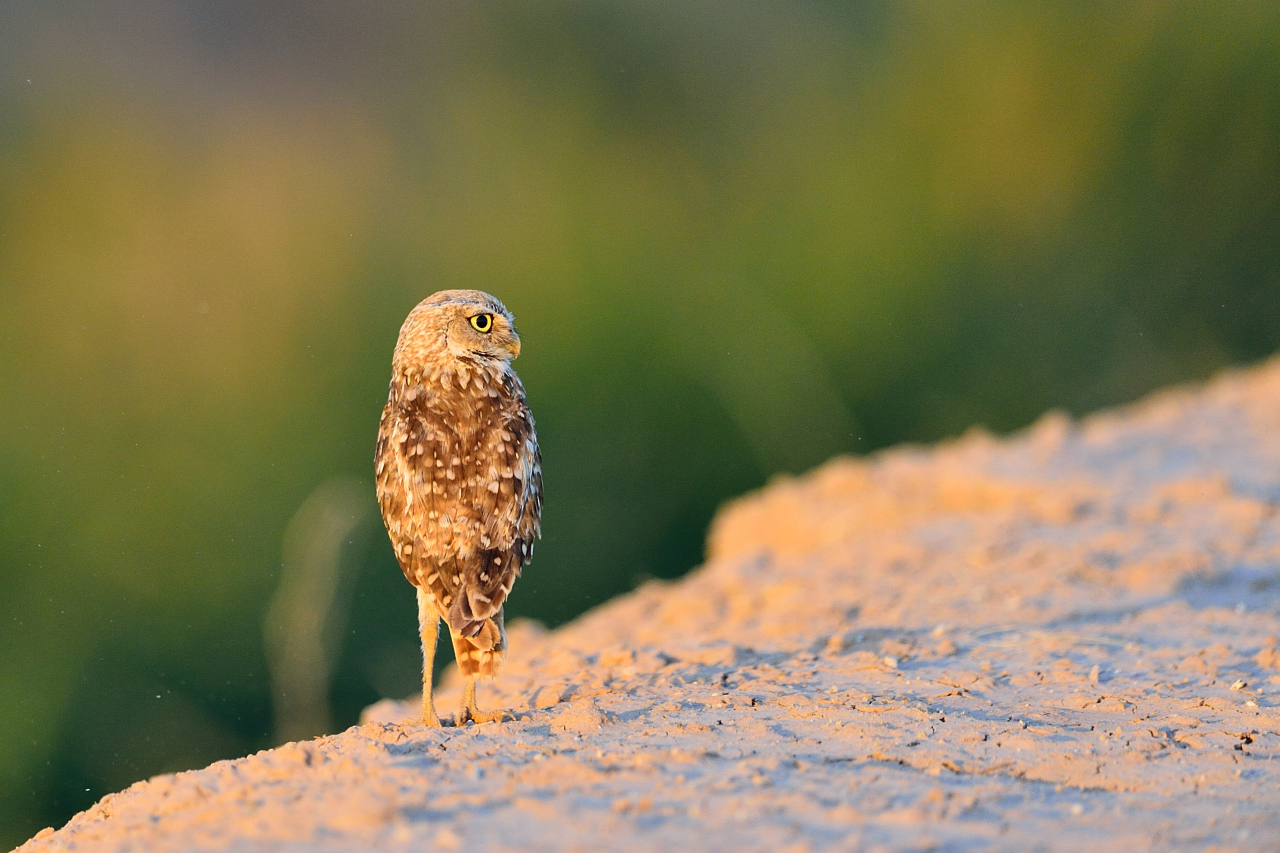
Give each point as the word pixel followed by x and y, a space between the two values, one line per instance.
pixel 739 238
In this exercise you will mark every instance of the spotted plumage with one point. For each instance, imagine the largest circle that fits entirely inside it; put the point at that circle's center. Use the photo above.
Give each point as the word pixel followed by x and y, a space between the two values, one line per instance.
pixel 459 476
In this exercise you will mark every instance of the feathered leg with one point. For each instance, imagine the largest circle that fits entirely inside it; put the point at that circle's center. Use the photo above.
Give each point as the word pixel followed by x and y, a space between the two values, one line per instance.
pixel 480 656
pixel 429 628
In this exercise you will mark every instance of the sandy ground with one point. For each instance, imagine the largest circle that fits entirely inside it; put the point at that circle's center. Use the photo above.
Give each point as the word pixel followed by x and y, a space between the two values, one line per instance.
pixel 1064 640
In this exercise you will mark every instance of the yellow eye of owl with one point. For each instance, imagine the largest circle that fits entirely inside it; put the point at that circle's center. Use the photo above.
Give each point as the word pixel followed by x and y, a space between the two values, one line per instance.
pixel 482 323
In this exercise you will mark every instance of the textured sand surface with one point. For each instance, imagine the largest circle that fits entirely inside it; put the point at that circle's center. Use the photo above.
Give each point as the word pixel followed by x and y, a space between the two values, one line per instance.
pixel 1065 640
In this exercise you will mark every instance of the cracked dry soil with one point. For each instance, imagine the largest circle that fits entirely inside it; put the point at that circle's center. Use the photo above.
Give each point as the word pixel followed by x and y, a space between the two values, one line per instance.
pixel 1061 640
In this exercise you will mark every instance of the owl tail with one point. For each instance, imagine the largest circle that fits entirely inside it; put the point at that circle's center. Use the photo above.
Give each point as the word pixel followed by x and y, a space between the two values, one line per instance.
pixel 482 655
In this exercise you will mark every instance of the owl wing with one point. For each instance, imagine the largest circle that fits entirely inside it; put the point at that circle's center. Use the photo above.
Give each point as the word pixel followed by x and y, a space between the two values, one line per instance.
pixel 508 491
pixel 415 444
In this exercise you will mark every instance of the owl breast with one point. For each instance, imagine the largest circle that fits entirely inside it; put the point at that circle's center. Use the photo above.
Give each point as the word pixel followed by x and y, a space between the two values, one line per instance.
pixel 459 480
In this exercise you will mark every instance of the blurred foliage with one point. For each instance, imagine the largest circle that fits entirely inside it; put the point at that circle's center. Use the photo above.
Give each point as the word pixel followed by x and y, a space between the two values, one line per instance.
pixel 738 239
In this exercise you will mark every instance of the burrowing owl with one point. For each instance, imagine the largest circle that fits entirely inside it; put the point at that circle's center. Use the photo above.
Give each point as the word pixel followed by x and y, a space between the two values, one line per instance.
pixel 459 478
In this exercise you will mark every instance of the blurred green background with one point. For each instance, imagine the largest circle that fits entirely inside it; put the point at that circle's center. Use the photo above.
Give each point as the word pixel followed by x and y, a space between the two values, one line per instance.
pixel 738 238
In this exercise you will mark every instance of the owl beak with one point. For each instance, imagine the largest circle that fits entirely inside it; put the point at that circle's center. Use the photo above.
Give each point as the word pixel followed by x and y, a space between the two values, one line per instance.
pixel 514 346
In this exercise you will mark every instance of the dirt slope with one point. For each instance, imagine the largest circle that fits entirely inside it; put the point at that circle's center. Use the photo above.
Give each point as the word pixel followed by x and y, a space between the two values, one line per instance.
pixel 1064 640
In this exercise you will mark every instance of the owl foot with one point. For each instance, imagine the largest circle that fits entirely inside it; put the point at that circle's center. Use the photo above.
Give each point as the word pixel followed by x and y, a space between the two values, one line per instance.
pixel 470 713
pixel 474 715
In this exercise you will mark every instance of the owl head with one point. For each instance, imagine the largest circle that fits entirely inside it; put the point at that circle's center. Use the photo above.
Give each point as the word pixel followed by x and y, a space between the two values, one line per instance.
pixel 469 325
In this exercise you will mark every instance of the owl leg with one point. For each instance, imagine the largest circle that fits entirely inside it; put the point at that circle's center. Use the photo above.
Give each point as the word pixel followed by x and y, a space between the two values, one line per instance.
pixel 480 656
pixel 429 629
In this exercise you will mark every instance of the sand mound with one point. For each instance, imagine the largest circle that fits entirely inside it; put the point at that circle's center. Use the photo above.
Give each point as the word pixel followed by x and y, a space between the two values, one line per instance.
pixel 1062 640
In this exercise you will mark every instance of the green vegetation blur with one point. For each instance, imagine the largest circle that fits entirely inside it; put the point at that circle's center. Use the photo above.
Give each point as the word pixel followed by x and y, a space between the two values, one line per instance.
pixel 737 238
